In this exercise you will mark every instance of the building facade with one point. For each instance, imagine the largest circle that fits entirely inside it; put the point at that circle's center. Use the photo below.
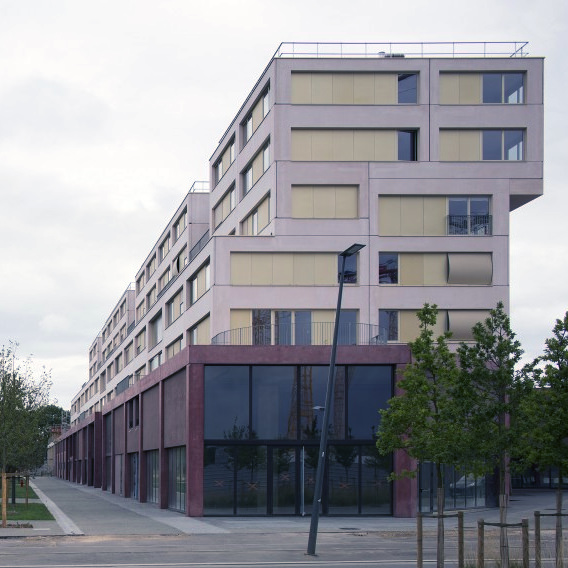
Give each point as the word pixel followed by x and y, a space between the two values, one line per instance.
pixel 206 379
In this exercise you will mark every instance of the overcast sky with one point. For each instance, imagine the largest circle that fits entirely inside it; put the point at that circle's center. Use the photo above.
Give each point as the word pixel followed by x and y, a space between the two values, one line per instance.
pixel 109 110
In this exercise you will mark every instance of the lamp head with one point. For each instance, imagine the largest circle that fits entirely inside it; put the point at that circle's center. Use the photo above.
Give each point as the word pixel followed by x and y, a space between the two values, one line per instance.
pixel 352 250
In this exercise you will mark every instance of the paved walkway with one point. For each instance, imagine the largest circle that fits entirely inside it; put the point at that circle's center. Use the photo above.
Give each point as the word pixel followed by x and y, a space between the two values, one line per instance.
pixel 80 510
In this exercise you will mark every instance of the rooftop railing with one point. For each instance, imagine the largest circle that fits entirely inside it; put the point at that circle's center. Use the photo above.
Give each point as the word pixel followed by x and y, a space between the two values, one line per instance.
pixel 413 49
pixel 316 333
pixel 199 187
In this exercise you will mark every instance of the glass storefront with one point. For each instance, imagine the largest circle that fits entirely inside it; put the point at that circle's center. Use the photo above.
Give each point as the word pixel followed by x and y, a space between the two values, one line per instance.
pixel 262 428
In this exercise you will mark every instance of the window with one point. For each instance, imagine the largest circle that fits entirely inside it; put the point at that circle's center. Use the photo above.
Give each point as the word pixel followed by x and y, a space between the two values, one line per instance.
pixel 350 273
pixel 469 216
pixel 180 225
pixel 141 310
pixel 179 262
pixel 123 308
pixel 173 348
pixel 199 283
pixel 247 179
pixel 388 268
pixel 122 332
pixel 174 308
pixel 266 158
pixel 119 365
pixel 505 88
pixel 164 248
pixel 140 341
pixel 407 145
pixel 155 361
pixel 407 91
pixel 225 205
pixel 129 353
pixel 283 327
pixel 151 266
pixel 133 413
pixel 140 372
pixel 140 282
pixel 164 279
pixel 156 331
pixel 388 325
pixel 265 103
pixel 248 128
pixel 218 171
pixel 303 328
pixel 151 297
pixel 232 152
pixel 502 144
pixel 232 198
pixel 257 220
pixel 261 328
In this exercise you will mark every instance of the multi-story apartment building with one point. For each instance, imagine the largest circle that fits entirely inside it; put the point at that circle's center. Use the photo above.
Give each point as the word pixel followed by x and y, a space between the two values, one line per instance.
pixel 206 379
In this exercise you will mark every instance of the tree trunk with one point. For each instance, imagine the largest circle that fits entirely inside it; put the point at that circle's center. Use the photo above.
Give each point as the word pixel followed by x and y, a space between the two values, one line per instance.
pixel 559 543
pixel 440 504
pixel 503 540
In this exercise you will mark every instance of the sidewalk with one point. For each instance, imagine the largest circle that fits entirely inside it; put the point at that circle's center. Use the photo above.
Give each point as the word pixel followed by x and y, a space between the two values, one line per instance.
pixel 80 510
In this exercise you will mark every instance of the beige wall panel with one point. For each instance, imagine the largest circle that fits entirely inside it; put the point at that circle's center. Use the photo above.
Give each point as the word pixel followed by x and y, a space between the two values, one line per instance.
pixel 408 326
pixel 201 282
pixel 261 269
pixel 342 145
pixel 364 145
pixel 301 88
pixel 470 88
pixel 386 88
pixel 322 88
pixel 343 88
pixel 470 268
pixel 324 201
pixel 346 202
pixel 246 227
pixel 411 267
pixel 449 146
pixel 264 213
pixel 257 114
pixel 241 318
pixel 226 160
pixel 449 89
pixel 322 145
pixel 470 145
pixel 434 216
pixel 301 145
pixel 363 89
pixel 435 269
pixel 302 202
pixel 322 327
pixel 412 215
pixel 240 269
pixel 386 147
pixel 389 215
pixel 226 205
pixel 203 333
pixel 257 167
pixel 460 322
pixel 283 269
pixel 304 269
pixel 325 268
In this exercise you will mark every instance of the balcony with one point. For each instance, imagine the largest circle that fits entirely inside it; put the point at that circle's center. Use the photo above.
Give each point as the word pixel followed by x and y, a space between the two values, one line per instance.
pixel 469 225
pixel 317 333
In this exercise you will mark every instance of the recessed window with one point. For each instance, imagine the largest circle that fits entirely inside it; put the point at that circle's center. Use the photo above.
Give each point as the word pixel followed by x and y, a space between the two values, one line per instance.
pixel 180 262
pixel 266 103
pixel 469 216
pixel 407 145
pixel 507 88
pixel 151 266
pixel 151 297
pixel 266 158
pixel 248 128
pixel 156 331
pixel 407 88
pixel 388 268
pixel 140 341
pixel 164 248
pixel 247 179
pixel 350 272
pixel 155 361
pixel 388 325
pixel 503 144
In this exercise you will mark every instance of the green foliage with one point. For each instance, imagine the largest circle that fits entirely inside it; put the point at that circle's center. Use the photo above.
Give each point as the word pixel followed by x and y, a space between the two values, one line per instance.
pixel 24 420
pixel 427 419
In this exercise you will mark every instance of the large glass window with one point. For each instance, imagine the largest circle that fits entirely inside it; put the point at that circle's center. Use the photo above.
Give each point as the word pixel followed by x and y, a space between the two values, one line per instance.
pixel 176 478
pixel 407 145
pixel 368 389
pixel 388 268
pixel 283 327
pixel 226 402
pixel 347 332
pixel 505 88
pixel 303 328
pixel 251 466
pixel 350 273
pixel 261 327
pixel 218 480
pixel 152 476
pixel 273 402
pixel 284 481
pixel 503 144
pixel 343 480
pixel 388 325
pixel 407 88
pixel 376 489
pixel 469 216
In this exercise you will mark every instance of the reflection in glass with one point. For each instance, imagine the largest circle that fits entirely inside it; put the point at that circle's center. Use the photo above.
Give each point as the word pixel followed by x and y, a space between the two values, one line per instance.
pixel 274 408
pixel 513 144
pixel 152 476
pixel 407 145
pixel 407 92
pixel 350 272
pixel 218 481
pixel 261 327
pixel 492 144
pixel 492 88
pixel 347 332
pixel 283 481
pixel 513 88
pixel 343 480
pixel 388 325
pixel 250 464
pixel 226 400
pixel 176 478
pixel 283 327
pixel 388 268
pixel 303 328
pixel 376 489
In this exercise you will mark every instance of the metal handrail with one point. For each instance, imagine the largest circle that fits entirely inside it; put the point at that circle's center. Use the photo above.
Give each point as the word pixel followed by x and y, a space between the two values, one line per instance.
pixel 315 333
pixel 469 225
pixel 403 49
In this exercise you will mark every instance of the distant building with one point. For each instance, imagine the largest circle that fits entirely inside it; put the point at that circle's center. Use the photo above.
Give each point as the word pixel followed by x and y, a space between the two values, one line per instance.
pixel 205 380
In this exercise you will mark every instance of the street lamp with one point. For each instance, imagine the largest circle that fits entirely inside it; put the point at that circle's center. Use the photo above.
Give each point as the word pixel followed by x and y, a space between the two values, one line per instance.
pixel 353 249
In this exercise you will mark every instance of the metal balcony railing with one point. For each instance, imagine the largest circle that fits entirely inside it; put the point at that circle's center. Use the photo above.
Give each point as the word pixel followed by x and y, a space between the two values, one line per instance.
pixel 317 333
pixel 412 49
pixel 469 225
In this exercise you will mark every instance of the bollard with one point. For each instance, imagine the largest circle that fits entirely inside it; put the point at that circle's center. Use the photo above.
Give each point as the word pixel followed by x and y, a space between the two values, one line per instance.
pixel 525 531
pixel 480 544
pixel 537 549
pixel 419 541
pixel 461 563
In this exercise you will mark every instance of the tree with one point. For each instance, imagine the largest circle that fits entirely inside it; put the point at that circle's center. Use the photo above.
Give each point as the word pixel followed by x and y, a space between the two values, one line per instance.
pixel 427 420
pixel 22 434
pixel 496 387
pixel 544 415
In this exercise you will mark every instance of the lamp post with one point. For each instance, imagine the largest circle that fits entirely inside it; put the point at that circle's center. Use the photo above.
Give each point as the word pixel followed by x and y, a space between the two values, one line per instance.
pixel 353 249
